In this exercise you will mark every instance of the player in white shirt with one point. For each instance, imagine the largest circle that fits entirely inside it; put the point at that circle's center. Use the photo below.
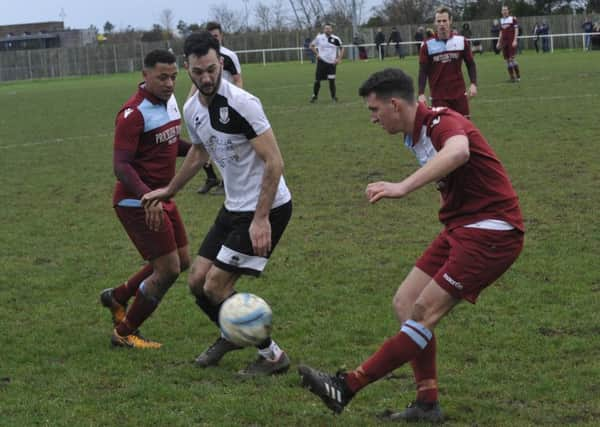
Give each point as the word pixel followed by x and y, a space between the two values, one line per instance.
pixel 229 124
pixel 232 72
pixel 329 51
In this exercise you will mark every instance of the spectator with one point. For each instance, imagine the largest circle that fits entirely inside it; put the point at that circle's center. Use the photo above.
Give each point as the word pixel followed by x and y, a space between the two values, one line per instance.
pixel 396 38
pixel 536 33
pixel 359 41
pixel 495 32
pixel 308 51
pixel 468 34
pixel 544 32
pixel 379 43
pixel 588 28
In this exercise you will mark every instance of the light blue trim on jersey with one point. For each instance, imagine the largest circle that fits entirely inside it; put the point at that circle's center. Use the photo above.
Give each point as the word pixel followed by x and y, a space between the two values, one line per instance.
pixel 435 46
pixel 155 115
pixel 130 203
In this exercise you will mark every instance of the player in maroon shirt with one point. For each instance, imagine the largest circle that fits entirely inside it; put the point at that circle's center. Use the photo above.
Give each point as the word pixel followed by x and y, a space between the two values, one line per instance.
pixel 440 62
pixel 509 31
pixel 146 145
pixel 482 236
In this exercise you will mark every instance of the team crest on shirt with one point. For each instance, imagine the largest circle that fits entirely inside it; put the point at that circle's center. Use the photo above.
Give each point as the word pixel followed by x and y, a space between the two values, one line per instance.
pixel 127 112
pixel 224 115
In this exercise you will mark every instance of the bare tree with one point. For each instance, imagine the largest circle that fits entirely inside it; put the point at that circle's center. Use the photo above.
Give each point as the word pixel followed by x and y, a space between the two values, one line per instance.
pixel 280 15
pixel 167 19
pixel 230 21
pixel 263 16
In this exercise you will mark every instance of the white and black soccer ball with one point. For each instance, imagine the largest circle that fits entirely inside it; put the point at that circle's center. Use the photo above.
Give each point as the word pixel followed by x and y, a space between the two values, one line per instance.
pixel 245 319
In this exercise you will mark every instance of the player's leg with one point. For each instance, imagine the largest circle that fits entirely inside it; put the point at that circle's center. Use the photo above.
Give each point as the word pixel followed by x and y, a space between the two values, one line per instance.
pixel 166 251
pixel 271 358
pixel 515 66
pixel 414 337
pixel 331 79
pixel 320 74
pixel 116 299
pixel 166 269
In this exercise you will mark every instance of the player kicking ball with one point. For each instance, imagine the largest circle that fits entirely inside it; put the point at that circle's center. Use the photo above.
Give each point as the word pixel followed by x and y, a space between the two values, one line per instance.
pixel 482 237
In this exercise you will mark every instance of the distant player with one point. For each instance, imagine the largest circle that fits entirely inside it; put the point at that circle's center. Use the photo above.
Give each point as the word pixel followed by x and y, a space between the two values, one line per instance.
pixel 329 52
pixel 482 237
pixel 146 145
pixel 508 42
pixel 440 62
pixel 232 72
pixel 229 124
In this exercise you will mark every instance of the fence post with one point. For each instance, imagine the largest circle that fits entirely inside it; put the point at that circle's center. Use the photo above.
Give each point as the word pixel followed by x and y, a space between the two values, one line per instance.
pixel 29 64
pixel 551 43
pixel 115 57
pixel 300 55
pixel 264 55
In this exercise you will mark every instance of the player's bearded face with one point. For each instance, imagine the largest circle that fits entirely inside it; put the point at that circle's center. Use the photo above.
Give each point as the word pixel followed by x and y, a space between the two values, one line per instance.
pixel 205 72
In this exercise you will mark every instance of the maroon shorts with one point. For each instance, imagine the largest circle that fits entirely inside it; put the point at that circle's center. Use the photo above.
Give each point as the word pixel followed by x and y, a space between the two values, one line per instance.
pixel 153 244
pixel 460 104
pixel 508 51
pixel 464 261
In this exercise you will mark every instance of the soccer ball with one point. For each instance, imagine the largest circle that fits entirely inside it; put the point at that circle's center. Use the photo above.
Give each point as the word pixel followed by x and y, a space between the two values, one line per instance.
pixel 245 319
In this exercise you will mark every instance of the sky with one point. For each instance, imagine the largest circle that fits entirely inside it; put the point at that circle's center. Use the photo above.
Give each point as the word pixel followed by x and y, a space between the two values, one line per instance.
pixel 121 13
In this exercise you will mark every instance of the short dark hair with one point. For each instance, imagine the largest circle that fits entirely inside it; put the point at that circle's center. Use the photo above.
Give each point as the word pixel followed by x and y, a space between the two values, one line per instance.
pixel 391 82
pixel 158 56
pixel 212 25
pixel 200 43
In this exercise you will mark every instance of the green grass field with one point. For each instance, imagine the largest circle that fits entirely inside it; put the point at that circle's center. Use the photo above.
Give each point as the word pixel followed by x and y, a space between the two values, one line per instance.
pixel 527 354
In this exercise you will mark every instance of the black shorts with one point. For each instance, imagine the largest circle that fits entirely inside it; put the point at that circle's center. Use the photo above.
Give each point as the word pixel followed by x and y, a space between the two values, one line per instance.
pixel 325 71
pixel 228 243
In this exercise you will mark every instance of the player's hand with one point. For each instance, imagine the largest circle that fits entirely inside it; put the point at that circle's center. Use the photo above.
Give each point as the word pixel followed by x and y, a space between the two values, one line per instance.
pixel 423 99
pixel 156 195
pixel 514 43
pixel 154 215
pixel 381 189
pixel 498 46
pixel 260 235
pixel 338 60
pixel 472 90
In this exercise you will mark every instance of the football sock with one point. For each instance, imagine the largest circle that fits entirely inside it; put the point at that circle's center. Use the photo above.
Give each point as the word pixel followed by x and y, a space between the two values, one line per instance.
pixel 271 352
pixel 332 88
pixel 210 309
pixel 142 307
pixel 516 68
pixel 424 368
pixel 401 348
pixel 210 172
pixel 128 289
pixel 511 72
pixel 316 88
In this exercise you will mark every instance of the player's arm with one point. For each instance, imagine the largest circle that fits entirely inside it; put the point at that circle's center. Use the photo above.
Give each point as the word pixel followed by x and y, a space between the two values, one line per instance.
pixel 423 72
pixel 313 47
pixel 194 160
pixel 238 81
pixel 453 155
pixel 514 43
pixel 341 51
pixel 183 147
pixel 267 149
pixel 471 69
pixel 128 128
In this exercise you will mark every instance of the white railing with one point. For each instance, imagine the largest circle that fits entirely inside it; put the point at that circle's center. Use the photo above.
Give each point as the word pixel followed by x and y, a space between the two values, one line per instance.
pixel 351 48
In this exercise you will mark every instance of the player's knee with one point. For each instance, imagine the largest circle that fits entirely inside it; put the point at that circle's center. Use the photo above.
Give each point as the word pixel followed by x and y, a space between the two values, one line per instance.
pixel 402 308
pixel 418 312
pixel 196 282
pixel 184 263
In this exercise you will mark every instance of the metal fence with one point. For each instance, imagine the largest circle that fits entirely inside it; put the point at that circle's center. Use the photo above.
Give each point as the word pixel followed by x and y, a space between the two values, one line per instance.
pixel 128 57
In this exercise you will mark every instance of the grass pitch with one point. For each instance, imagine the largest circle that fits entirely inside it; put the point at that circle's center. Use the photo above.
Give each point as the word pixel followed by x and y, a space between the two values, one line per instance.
pixel 526 354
